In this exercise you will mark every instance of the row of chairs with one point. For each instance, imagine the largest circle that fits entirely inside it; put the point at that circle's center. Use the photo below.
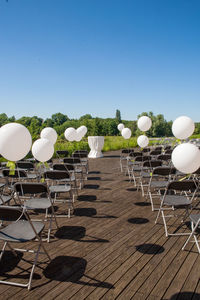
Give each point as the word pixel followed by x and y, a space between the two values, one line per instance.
pixel 168 190
pixel 34 192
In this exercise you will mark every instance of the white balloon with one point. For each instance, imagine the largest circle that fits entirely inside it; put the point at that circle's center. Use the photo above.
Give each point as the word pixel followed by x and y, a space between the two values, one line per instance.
pixel 183 127
pixel 186 158
pixel 144 123
pixel 83 128
pixel 126 133
pixel 43 150
pixel 70 134
pixel 78 136
pixel 120 126
pixel 15 141
pixel 80 132
pixel 49 134
pixel 142 141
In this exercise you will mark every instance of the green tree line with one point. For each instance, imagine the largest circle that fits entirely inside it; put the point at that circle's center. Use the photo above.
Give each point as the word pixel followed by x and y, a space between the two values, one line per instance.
pixel 96 126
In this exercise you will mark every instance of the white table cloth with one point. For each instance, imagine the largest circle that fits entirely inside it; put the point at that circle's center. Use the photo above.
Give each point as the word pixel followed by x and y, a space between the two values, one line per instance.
pixel 96 145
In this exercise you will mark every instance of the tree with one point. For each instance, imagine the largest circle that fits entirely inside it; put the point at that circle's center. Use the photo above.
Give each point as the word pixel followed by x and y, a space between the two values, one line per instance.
pixel 118 116
pixel 85 117
pixel 59 118
pixel 3 119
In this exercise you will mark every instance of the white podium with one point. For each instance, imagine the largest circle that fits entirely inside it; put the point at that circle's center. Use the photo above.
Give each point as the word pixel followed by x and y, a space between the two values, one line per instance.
pixel 96 145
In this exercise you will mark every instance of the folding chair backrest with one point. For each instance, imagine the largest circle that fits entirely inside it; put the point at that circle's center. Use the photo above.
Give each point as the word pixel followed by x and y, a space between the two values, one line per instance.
pixel 155 152
pixel 158 148
pixel 10 213
pixel 185 185
pixel 25 165
pixel 62 152
pixel 63 167
pixel 80 155
pixel 152 163
pixel 167 148
pixel 146 150
pixel 168 151
pixel 134 154
pixel 126 151
pixel 30 188
pixel 14 174
pixel 72 160
pixel 164 171
pixel 142 158
pixel 164 157
pixel 56 175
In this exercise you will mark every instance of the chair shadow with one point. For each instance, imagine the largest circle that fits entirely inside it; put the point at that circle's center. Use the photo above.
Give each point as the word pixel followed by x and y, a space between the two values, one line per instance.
pixel 112 156
pixel 71 269
pixel 94 172
pixel 185 296
pixel 85 212
pixel 131 189
pixel 91 186
pixel 138 220
pixel 150 248
pixel 87 198
pixel 93 178
pixel 142 203
pixel 10 262
pixel 71 232
pixel 77 233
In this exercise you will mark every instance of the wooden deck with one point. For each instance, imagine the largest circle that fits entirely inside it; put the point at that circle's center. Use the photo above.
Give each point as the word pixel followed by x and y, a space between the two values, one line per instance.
pixel 110 249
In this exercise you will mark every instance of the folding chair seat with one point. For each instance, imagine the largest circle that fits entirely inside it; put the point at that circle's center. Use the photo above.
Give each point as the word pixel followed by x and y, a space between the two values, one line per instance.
pixel 166 158
pixel 58 183
pixel 184 193
pixel 37 198
pixel 146 173
pixel 20 229
pixel 158 182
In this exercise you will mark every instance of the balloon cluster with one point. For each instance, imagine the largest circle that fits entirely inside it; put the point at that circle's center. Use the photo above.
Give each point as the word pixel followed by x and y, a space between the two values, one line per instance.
pixel 43 148
pixel 125 132
pixel 186 156
pixel 144 123
pixel 72 134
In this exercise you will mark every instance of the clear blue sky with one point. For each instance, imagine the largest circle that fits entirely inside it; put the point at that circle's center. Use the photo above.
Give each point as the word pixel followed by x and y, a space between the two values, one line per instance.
pixel 96 56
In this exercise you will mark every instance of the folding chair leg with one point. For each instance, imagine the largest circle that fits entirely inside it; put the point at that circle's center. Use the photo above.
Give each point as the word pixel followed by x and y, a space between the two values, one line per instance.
pixel 3 250
pixel 190 236
pixel 33 268
pixel 165 224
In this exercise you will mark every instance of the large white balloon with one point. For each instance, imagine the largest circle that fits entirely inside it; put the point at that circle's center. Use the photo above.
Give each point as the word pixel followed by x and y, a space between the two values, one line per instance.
pixel 80 132
pixel 186 158
pixel 49 134
pixel 126 133
pixel 120 127
pixel 70 134
pixel 43 150
pixel 83 129
pixel 15 141
pixel 144 123
pixel 142 141
pixel 183 127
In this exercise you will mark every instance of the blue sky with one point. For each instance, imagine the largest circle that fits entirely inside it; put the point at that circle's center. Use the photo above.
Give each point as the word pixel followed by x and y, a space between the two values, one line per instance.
pixel 96 56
